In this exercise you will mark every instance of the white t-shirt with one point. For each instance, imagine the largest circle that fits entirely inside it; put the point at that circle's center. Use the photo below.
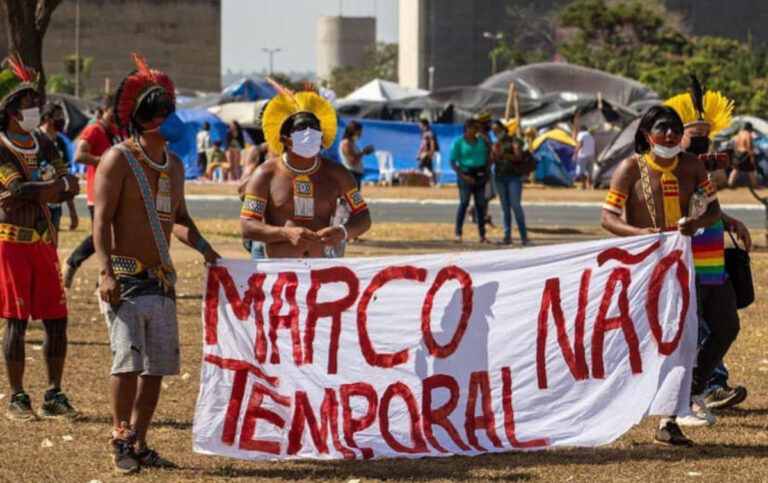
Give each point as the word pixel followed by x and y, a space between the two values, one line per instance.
pixel 587 145
pixel 203 141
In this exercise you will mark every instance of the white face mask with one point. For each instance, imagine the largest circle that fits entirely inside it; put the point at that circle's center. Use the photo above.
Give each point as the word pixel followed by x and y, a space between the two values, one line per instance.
pixel 30 119
pixel 666 152
pixel 306 143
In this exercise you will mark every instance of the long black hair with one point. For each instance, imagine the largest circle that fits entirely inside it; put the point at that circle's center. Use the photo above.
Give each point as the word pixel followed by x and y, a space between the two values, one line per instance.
pixel 352 128
pixel 646 123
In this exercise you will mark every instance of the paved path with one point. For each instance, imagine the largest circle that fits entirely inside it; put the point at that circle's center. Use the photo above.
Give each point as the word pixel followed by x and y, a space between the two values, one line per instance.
pixel 415 211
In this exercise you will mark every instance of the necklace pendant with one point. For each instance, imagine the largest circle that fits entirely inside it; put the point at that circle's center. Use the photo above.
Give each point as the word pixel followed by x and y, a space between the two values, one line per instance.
pixel 163 199
pixel 303 198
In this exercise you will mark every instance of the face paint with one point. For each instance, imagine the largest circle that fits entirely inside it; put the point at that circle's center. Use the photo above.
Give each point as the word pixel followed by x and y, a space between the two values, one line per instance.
pixel 306 143
pixel 30 119
pixel 666 126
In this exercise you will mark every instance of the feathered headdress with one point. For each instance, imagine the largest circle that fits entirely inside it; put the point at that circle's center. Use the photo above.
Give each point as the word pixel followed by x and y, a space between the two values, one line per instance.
pixel 698 107
pixel 285 104
pixel 18 77
pixel 136 86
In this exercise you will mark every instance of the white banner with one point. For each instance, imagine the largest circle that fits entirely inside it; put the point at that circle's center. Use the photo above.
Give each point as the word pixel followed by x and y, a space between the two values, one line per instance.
pixel 434 355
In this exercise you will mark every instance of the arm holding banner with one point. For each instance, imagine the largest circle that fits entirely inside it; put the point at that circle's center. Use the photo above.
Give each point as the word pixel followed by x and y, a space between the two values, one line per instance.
pixel 360 218
pixel 621 184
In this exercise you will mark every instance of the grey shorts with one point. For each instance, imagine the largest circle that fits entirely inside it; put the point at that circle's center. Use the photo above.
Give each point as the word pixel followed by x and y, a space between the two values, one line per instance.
pixel 144 336
pixel 585 166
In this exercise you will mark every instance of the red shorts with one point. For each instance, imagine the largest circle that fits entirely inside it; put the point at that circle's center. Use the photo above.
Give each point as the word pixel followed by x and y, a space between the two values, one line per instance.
pixel 30 281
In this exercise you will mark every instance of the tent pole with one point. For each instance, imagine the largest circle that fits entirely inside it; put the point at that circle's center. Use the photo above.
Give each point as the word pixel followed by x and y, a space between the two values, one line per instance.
pixel 510 95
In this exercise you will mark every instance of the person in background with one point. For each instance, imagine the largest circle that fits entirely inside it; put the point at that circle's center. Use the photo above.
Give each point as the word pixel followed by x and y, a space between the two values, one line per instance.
pixel 94 141
pixel 254 157
pixel 352 156
pixel 744 153
pixel 427 150
pixel 52 123
pixel 530 136
pixel 485 120
pixel 326 92
pixel 203 145
pixel 470 160
pixel 235 145
pixel 98 113
pixel 218 161
pixel 584 156
pixel 507 151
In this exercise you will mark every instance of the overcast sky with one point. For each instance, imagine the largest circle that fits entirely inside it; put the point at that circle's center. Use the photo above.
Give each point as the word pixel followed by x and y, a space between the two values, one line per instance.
pixel 247 26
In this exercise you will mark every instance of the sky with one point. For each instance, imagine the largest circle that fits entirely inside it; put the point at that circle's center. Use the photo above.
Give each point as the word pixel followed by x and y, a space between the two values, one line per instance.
pixel 247 26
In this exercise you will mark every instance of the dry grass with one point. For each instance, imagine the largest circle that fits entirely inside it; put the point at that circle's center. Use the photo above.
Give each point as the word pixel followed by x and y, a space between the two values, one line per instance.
pixel 535 193
pixel 735 450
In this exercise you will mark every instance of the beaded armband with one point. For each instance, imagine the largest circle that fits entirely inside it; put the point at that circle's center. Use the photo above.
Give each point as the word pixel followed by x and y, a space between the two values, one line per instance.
pixel 356 201
pixel 614 202
pixel 709 190
pixel 253 208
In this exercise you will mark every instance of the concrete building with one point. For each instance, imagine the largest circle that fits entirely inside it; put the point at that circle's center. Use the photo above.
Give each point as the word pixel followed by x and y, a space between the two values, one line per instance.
pixel 344 41
pixel 448 35
pixel 182 39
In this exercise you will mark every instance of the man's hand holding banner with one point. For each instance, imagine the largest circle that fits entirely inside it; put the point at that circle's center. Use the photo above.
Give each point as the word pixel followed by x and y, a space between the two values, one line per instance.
pixel 445 354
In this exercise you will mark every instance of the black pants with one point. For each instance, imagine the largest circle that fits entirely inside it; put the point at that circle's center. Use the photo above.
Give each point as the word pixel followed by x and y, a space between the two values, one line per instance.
pixel 85 249
pixel 717 306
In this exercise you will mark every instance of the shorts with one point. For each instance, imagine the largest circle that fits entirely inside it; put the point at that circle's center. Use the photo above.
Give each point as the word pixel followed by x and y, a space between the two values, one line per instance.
pixel 426 163
pixel 585 166
pixel 743 163
pixel 144 336
pixel 202 160
pixel 30 281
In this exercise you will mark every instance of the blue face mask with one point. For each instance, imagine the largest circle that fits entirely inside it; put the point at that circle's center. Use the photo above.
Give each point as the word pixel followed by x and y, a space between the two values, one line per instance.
pixel 172 129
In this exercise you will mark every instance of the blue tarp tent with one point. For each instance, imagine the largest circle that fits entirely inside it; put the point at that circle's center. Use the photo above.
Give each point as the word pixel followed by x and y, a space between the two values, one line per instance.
pixel 250 90
pixel 186 149
pixel 554 165
pixel 402 139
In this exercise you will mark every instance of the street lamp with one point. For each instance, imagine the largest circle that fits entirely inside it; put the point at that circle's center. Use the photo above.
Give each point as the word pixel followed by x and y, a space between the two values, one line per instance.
pixel 497 38
pixel 271 53
pixel 431 70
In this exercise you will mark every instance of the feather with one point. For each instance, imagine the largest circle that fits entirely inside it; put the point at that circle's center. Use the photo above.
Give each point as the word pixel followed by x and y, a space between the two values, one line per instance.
pixel 21 71
pixel 697 95
pixel 284 91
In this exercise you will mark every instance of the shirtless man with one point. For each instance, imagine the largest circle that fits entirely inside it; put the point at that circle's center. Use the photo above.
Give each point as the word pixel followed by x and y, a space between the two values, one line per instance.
pixel 137 276
pixel 744 152
pixel 30 281
pixel 253 158
pixel 291 198
pixel 671 174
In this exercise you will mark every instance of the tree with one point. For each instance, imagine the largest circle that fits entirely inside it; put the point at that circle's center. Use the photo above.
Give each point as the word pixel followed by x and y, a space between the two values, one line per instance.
pixel 65 82
pixel 380 63
pixel 529 37
pixel 26 22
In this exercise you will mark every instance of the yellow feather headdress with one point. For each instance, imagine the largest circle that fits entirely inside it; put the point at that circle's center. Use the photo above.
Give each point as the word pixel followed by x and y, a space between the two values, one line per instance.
pixel 713 108
pixel 512 126
pixel 285 104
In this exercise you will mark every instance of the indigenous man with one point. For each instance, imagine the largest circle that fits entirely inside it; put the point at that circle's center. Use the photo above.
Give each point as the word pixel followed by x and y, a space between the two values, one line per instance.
pixel 30 281
pixel 253 158
pixel 291 198
pixel 95 139
pixel 704 115
pixel 744 151
pixel 139 192
pixel 51 125
pixel 654 188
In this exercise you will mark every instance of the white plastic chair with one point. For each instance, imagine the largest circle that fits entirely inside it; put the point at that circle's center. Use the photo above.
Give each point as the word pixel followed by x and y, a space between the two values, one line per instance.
pixel 386 167
pixel 437 168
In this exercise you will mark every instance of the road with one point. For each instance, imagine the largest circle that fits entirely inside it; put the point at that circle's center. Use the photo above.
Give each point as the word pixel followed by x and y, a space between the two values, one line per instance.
pixel 412 211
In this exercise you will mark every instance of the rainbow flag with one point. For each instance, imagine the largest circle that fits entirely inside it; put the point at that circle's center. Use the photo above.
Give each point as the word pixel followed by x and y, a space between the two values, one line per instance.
pixel 709 255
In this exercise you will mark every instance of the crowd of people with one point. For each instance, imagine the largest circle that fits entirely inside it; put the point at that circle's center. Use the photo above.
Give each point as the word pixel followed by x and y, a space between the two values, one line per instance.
pixel 291 197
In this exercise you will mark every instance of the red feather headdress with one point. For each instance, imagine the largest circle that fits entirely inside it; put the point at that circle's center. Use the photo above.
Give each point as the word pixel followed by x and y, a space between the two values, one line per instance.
pixel 137 85
pixel 24 73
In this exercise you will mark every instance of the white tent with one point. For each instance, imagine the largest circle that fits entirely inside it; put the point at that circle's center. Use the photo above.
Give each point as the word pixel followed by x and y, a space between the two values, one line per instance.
pixel 381 90
pixel 242 112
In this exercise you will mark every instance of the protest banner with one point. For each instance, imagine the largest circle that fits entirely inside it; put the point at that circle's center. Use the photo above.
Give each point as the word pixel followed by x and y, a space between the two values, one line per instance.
pixel 433 355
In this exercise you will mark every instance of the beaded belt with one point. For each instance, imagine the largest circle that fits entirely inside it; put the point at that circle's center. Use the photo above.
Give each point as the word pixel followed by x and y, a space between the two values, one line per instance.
pixel 127 265
pixel 20 234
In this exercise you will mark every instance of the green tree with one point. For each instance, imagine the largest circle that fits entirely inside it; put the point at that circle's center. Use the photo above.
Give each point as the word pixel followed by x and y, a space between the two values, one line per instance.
pixel 381 63
pixel 65 81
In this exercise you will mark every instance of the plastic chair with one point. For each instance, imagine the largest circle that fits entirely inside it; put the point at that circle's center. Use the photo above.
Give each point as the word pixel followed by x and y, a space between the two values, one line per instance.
pixel 386 167
pixel 437 168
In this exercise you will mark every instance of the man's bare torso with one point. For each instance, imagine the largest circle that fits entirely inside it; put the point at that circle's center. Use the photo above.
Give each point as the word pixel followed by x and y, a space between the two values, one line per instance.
pixel 279 210
pixel 132 235
pixel 743 142
pixel 636 208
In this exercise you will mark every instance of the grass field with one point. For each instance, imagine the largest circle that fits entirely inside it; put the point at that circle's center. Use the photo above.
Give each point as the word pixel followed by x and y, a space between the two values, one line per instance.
pixel 736 449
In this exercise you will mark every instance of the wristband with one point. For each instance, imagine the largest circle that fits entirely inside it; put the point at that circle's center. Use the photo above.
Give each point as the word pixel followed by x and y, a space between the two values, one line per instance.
pixel 201 244
pixel 346 234
pixel 66 184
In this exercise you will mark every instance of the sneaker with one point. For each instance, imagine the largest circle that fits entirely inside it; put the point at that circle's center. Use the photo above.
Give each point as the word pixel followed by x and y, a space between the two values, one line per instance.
pixel 123 457
pixel 69 275
pixel 20 408
pixel 507 240
pixel 527 243
pixel 726 397
pixel 58 407
pixel 148 457
pixel 671 435
pixel 700 415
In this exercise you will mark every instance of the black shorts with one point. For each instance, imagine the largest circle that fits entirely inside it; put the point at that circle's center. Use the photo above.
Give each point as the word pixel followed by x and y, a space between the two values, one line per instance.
pixel 202 160
pixel 426 163
pixel 743 163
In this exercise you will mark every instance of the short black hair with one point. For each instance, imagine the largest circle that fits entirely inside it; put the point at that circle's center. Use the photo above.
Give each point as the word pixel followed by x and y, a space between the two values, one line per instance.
pixel 748 126
pixel 49 110
pixel 470 122
pixel 217 143
pixel 424 122
pixel 206 126
pixel 287 127
pixel 150 106
pixel 352 128
pixel 499 124
pixel 646 123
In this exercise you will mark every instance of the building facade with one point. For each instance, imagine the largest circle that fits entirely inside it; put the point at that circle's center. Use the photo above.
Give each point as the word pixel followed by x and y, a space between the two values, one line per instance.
pixel 182 39
pixel 344 41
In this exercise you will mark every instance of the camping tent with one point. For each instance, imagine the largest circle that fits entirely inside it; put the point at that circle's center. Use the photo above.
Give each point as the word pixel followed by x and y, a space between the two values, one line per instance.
pixel 250 90
pixel 622 147
pixel 381 90
pixel 537 80
pixel 186 148
pixel 246 113
pixel 553 152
